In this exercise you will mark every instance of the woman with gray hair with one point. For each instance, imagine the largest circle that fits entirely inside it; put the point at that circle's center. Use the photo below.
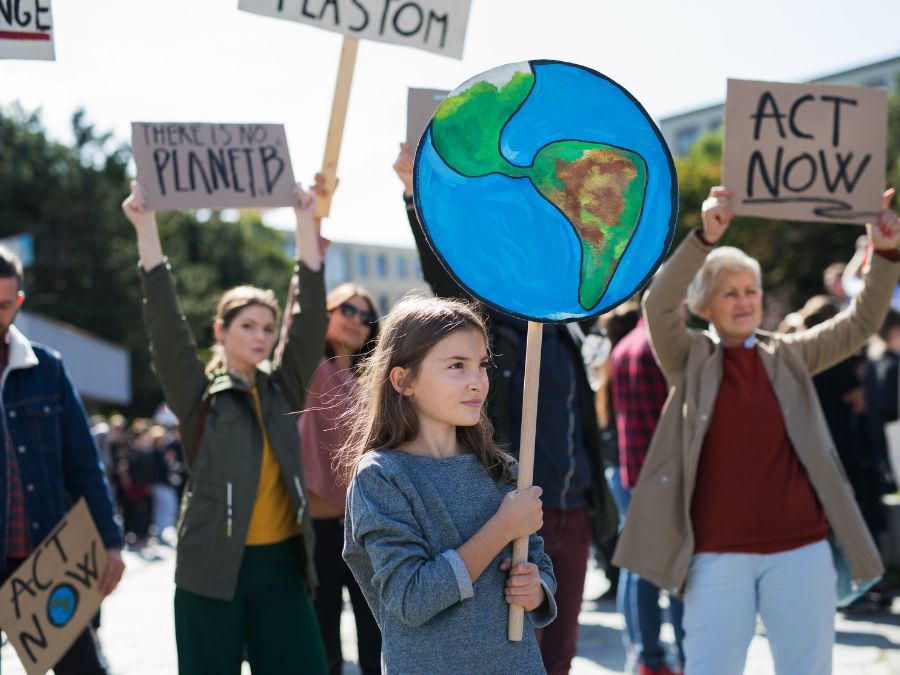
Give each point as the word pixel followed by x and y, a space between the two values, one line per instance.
pixel 742 490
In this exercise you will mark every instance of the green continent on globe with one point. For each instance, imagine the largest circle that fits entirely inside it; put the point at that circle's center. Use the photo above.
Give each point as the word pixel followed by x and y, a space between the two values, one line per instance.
pixel 466 127
pixel 598 188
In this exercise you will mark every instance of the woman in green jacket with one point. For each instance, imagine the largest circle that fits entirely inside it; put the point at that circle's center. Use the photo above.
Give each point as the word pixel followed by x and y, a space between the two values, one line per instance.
pixel 244 566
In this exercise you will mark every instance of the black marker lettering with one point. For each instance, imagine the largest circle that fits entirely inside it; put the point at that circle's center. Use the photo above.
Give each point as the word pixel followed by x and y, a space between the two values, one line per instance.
pixel 249 157
pixel 20 586
pixel 396 20
pixel 34 572
pixel 39 641
pixel 792 121
pixel 22 18
pixel 88 568
pixel 841 173
pixel 217 168
pixel 177 174
pixel 756 159
pixel 40 9
pixel 232 158
pixel 305 13
pixel 387 4
pixel 837 100
pixel 434 18
pixel 161 158
pixel 333 5
pixel 54 536
pixel 365 12
pixel 767 100
pixel 269 155
pixel 195 165
pixel 789 171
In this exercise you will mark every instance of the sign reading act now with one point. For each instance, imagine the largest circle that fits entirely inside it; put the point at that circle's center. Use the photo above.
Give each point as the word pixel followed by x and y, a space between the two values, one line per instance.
pixel 808 152
pixel 53 595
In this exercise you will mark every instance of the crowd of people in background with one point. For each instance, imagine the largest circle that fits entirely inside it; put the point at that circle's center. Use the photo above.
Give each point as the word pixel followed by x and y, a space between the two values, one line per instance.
pixel 146 473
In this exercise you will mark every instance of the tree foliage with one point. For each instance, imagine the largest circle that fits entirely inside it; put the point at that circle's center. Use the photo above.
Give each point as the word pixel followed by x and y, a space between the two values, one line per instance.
pixel 85 269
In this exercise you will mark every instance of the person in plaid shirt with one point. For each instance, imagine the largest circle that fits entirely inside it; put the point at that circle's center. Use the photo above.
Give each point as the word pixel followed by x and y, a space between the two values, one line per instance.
pixel 639 392
pixel 50 458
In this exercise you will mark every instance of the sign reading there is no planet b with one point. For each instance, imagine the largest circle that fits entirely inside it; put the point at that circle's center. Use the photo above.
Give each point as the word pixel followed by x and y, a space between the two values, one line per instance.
pixel 217 166
pixel 808 152
pixel 437 26
pixel 26 30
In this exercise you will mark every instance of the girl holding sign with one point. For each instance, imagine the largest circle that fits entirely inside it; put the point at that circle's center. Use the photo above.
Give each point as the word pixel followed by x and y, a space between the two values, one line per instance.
pixel 245 538
pixel 742 491
pixel 432 506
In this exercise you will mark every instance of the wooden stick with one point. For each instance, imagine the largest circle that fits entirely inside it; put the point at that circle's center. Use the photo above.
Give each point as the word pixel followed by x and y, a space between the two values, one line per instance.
pixel 336 125
pixel 526 454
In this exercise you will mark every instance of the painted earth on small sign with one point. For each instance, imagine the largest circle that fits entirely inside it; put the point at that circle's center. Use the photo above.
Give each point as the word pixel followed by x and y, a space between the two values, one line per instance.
pixel 546 190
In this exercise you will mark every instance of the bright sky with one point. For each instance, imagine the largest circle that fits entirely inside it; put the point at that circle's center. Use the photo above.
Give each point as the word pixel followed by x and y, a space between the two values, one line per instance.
pixel 205 61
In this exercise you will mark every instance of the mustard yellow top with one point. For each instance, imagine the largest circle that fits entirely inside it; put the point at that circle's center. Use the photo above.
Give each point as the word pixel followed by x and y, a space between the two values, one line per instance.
pixel 273 518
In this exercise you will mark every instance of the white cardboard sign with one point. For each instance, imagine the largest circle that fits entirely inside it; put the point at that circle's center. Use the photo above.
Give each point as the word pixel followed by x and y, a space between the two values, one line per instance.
pixel 437 26
pixel 26 30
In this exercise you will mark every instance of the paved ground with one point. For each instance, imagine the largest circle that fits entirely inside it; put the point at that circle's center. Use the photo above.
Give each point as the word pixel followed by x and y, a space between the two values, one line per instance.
pixel 139 639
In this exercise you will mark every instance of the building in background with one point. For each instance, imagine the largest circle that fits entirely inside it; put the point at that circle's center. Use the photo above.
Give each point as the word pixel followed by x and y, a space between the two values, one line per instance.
pixel 682 131
pixel 100 370
pixel 388 272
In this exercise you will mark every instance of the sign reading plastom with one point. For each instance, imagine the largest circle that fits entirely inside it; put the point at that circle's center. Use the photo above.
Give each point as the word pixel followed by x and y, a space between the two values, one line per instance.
pixel 437 26
pixel 546 190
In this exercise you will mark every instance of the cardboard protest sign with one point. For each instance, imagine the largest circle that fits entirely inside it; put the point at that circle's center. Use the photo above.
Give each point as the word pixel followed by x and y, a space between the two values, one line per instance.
pixel 437 26
pixel 199 165
pixel 420 106
pixel 26 30
pixel 809 152
pixel 53 595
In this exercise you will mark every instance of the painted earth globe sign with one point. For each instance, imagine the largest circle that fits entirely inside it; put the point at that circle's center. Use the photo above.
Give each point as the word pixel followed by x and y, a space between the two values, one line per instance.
pixel 546 190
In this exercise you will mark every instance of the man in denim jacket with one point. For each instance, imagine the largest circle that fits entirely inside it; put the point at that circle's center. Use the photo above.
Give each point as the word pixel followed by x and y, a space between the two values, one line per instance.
pixel 50 459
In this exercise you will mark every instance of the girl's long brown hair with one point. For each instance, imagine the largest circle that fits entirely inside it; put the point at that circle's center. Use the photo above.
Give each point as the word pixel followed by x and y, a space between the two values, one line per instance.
pixel 383 418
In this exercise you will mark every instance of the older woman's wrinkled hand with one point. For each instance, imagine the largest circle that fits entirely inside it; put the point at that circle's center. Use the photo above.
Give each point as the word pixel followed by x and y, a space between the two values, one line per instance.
pixel 886 234
pixel 716 213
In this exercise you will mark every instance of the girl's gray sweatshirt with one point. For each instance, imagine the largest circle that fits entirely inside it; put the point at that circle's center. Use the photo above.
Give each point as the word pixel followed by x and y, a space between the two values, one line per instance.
pixel 406 516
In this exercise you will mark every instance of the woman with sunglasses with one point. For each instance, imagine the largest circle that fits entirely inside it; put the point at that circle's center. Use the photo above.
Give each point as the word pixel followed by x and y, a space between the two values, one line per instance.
pixel 352 330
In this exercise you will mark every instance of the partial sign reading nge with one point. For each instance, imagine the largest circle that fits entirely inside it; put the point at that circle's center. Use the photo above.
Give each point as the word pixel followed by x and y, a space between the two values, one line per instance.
pixel 807 152
pixel 26 30
pixel 203 165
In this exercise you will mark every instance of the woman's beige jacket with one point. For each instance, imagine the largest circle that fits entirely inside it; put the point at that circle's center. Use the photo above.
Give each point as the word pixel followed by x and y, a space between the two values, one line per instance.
pixel 657 542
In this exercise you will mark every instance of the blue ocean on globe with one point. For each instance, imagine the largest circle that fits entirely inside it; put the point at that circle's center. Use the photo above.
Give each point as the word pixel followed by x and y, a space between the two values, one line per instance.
pixel 504 240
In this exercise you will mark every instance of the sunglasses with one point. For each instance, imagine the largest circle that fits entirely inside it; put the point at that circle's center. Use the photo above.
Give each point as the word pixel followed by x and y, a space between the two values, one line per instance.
pixel 348 311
